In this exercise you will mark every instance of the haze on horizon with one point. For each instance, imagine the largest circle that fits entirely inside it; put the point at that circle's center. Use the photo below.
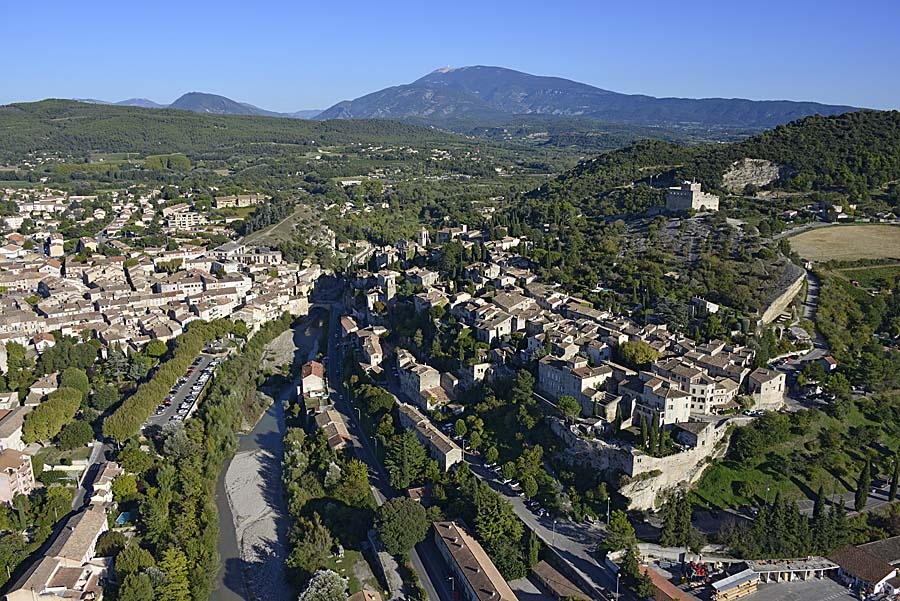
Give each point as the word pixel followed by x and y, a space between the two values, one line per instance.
pixel 283 57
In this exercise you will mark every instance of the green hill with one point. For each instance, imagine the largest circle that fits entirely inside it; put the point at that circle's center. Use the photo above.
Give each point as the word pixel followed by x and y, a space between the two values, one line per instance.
pixel 853 153
pixel 74 128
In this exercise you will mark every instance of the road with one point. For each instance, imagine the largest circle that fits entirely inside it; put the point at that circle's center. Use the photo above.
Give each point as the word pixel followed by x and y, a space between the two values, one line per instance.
pixel 801 228
pixel 425 560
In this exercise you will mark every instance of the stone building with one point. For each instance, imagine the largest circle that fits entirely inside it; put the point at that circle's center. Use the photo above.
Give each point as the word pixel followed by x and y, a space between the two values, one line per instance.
pixel 689 196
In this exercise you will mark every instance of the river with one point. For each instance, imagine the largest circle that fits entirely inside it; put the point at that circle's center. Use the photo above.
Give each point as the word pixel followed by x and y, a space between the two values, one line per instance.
pixel 251 502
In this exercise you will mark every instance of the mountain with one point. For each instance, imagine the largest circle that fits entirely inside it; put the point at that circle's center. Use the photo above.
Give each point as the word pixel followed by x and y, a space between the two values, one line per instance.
pixel 141 102
pixel 304 114
pixel 200 102
pixel 494 93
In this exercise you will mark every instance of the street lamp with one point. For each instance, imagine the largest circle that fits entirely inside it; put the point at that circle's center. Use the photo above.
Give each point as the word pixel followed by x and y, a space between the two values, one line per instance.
pixel 767 496
pixel 358 413
pixel 607 511
pixel 554 533
pixel 618 576
pixel 452 583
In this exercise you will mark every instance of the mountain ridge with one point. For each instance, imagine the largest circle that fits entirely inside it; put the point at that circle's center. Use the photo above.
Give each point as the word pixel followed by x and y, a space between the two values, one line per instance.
pixel 203 102
pixel 488 93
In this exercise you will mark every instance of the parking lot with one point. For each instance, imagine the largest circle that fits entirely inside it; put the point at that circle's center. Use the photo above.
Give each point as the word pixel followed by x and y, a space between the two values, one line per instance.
pixel 181 402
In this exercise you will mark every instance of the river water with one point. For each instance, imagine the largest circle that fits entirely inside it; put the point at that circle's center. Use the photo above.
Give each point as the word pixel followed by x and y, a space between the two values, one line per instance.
pixel 253 479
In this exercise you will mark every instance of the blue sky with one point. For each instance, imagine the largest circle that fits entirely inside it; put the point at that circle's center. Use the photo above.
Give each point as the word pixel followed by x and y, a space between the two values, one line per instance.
pixel 297 55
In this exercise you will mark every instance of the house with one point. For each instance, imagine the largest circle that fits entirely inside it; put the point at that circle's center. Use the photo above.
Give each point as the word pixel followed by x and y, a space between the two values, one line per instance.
pixel 348 326
pixel 766 386
pixel 829 363
pixel 475 576
pixel 863 571
pixel 101 487
pixel 312 377
pixel 572 377
pixel 335 428
pixel 68 568
pixel 11 422
pixel 16 475
pixel 446 452
pixel 40 389
pixel 555 583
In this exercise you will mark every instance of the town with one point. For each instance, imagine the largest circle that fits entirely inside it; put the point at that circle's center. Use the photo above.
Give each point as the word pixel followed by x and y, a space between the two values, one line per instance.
pixel 452 338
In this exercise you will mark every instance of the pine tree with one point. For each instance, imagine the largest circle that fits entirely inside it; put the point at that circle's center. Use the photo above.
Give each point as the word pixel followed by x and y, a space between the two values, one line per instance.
pixel 862 487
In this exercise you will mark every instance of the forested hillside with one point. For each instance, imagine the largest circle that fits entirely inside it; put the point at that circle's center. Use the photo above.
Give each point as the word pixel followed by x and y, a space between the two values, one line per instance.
pixel 74 128
pixel 851 153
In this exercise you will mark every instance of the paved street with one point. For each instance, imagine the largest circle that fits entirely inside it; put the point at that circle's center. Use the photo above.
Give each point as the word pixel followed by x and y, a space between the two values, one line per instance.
pixel 424 558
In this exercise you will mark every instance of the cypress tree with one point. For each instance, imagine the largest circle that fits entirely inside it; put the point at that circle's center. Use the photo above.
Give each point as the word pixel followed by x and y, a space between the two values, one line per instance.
pixel 617 423
pixel 644 432
pixel 819 506
pixel 654 433
pixel 895 478
pixel 862 487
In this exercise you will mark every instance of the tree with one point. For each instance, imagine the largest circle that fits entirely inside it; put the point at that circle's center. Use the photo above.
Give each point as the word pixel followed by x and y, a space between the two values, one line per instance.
pixel 529 486
pixel 534 549
pixel 405 459
pixel 644 587
pixel 620 532
pixel 491 454
pixel 110 543
pixel 156 348
pixel 312 544
pixel 136 587
pixel 653 440
pixel 494 516
pixel 133 559
pixel 644 431
pixel 75 434
pixel 819 506
pixel 175 568
pixel 862 487
pixel 325 585
pixel 617 422
pixel 568 406
pixel 48 418
pixel 637 353
pixel 459 428
pixel 73 377
pixel 124 487
pixel 104 398
pixel 895 479
pixel 401 524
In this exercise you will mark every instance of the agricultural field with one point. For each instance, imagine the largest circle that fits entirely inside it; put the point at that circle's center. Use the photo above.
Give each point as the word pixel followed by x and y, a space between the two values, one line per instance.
pixel 848 243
